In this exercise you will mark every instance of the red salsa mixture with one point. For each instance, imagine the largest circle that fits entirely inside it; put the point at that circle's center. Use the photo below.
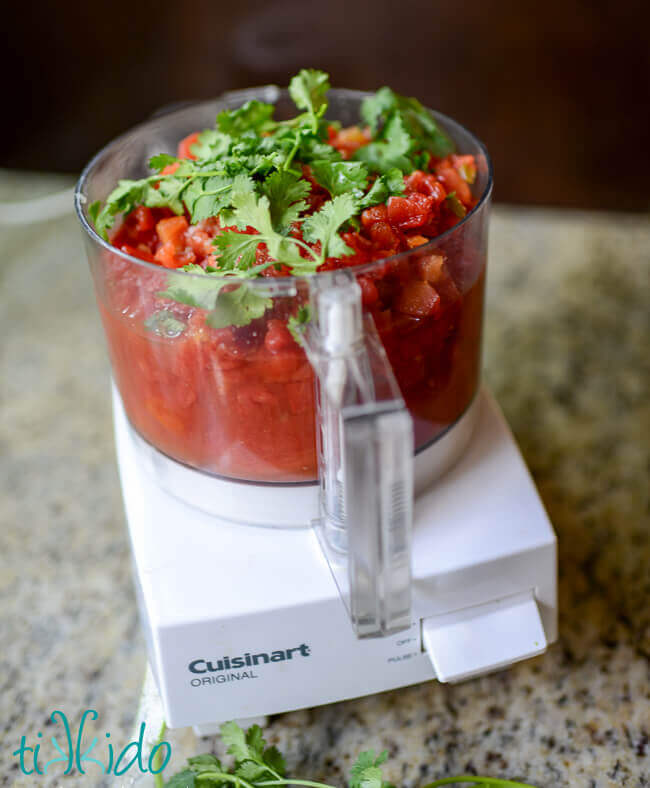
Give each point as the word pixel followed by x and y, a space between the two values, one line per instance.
pixel 212 374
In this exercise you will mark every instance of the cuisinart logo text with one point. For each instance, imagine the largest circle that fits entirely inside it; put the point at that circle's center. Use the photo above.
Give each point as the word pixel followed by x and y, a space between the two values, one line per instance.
pixel 224 666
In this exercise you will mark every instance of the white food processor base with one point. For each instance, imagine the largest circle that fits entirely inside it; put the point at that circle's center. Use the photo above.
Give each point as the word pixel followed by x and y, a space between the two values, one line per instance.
pixel 243 622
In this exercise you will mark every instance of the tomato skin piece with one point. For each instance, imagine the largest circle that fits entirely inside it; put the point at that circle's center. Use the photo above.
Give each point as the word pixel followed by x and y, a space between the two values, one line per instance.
pixel 369 292
pixel 453 182
pixel 411 211
pixel 425 183
pixel 384 236
pixel 278 337
pixel 348 140
pixel 143 220
pixel 465 165
pixel 141 254
pixel 170 256
pixel 172 229
pixel 414 241
pixel 185 145
pixel 174 250
pixel 378 213
pixel 431 268
pixel 418 299
pixel 434 271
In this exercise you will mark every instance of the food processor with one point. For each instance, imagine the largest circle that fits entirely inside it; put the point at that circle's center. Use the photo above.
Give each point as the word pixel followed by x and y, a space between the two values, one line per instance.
pixel 323 502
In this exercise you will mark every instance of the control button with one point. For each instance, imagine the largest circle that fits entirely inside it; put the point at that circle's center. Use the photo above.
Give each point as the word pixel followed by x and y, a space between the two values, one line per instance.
pixel 483 638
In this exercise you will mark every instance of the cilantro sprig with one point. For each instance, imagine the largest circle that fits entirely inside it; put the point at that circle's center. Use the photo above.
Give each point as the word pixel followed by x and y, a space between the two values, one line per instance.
pixel 256 765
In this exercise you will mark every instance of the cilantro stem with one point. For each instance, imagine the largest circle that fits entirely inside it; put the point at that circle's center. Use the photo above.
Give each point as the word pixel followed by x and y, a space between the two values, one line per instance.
pixel 282 781
pixel 300 243
pixel 189 175
pixel 158 778
pixel 472 778
pixel 225 777
pixel 292 153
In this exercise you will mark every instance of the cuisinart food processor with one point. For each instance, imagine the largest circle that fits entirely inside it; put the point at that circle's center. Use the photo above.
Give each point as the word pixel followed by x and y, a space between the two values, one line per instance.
pixel 322 512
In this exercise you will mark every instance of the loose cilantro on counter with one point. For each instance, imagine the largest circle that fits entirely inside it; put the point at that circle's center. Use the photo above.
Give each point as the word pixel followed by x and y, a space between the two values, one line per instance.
pixel 258 766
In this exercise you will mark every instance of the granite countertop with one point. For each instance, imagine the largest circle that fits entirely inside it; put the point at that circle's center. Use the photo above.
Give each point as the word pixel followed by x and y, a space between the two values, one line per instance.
pixel 567 355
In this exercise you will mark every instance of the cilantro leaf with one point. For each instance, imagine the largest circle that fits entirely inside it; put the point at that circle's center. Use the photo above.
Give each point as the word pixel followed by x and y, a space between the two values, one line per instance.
pixel 378 110
pixel 252 756
pixel 237 250
pixel 123 199
pixel 197 291
pixel 391 150
pixel 206 197
pixel 388 185
pixel 274 759
pixel 226 307
pixel 211 145
pixel 252 116
pixel 285 192
pixel 161 160
pixel 165 324
pixel 296 323
pixel 184 779
pixel 340 177
pixel 308 90
pixel 312 149
pixel 425 128
pixel 170 188
pixel 238 307
pixel 94 210
pixel 234 739
pixel 323 226
pixel 204 763
pixel 366 772
pixel 255 742
pixel 250 771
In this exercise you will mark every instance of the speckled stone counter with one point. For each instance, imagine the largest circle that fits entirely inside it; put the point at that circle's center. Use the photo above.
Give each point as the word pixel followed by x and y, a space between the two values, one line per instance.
pixel 568 357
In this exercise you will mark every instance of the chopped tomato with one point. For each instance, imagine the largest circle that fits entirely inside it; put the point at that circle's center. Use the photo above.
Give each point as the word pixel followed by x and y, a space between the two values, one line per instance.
pixel 425 183
pixel 348 140
pixel 140 253
pixel 416 240
pixel 185 146
pixel 278 337
pixel 369 292
pixel 466 167
pixel 452 181
pixel 170 169
pixel 434 270
pixel 384 237
pixel 175 249
pixel 411 211
pixel 418 299
pixel 172 230
pixel 143 220
pixel 378 213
